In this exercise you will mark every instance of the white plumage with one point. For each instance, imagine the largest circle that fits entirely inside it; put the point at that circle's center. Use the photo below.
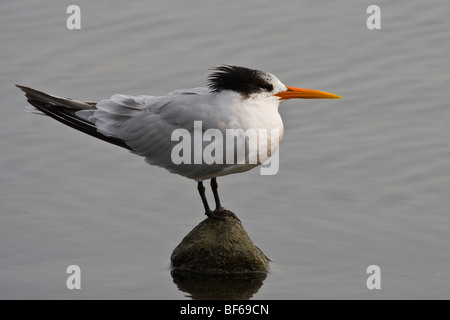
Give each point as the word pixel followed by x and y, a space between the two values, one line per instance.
pixel 145 123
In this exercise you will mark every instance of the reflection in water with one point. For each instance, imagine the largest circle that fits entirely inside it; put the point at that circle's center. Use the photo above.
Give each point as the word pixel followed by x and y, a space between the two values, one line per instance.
pixel 236 286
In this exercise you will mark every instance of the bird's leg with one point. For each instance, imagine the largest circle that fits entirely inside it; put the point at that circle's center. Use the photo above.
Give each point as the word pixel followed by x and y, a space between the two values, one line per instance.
pixel 214 187
pixel 220 212
pixel 201 190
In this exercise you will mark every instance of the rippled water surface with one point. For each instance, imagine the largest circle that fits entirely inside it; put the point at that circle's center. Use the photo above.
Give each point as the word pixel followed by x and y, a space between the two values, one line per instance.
pixel 362 181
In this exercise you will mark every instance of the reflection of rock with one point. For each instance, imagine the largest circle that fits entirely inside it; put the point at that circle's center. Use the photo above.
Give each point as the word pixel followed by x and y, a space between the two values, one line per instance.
pixel 231 286
pixel 218 247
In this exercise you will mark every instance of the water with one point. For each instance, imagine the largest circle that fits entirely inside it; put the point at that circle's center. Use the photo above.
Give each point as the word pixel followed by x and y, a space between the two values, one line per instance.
pixel 362 181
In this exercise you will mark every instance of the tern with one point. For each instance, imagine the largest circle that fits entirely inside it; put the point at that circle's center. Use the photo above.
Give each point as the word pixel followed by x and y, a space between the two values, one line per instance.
pixel 236 98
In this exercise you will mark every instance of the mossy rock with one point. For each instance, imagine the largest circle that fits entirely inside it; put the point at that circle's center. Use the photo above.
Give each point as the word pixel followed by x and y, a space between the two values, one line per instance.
pixel 219 246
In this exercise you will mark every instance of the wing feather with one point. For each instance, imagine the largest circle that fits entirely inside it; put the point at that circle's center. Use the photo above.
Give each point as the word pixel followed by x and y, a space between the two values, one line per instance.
pixel 142 124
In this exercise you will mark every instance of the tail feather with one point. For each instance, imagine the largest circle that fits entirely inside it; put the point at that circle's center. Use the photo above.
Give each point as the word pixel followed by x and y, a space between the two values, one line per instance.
pixel 65 111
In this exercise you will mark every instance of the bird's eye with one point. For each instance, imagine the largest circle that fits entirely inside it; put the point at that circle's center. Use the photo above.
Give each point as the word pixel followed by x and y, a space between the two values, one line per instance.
pixel 267 87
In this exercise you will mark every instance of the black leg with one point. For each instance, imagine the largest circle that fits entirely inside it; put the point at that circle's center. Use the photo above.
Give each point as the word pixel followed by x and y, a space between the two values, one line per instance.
pixel 220 212
pixel 214 186
pixel 201 190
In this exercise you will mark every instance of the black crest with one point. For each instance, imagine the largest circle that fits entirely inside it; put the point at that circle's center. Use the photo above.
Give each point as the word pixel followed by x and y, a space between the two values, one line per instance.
pixel 243 80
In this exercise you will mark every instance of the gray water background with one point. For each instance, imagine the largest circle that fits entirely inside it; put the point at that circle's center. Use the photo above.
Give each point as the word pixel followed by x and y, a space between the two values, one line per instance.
pixel 362 181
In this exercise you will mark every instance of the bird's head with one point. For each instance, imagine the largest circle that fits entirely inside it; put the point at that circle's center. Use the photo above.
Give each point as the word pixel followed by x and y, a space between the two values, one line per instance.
pixel 250 82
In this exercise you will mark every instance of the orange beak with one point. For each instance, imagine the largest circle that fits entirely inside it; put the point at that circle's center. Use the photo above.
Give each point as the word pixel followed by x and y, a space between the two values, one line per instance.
pixel 292 93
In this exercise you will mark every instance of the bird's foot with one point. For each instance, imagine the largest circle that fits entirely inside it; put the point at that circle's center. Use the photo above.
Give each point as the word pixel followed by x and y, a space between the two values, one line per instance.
pixel 221 214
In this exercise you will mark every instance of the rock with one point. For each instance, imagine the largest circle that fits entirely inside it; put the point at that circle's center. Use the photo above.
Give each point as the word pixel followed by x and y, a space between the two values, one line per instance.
pixel 219 246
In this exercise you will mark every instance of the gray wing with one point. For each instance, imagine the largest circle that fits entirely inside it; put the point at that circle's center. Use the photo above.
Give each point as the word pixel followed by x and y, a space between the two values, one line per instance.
pixel 141 124
pixel 146 124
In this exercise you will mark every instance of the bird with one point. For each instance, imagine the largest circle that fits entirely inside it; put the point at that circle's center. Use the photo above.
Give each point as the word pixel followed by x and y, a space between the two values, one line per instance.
pixel 235 98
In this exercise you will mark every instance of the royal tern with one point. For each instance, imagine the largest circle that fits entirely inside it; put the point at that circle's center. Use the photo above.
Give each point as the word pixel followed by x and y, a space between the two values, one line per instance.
pixel 236 98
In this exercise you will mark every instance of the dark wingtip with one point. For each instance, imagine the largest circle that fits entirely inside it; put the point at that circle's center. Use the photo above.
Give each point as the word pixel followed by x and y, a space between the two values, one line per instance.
pixel 26 90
